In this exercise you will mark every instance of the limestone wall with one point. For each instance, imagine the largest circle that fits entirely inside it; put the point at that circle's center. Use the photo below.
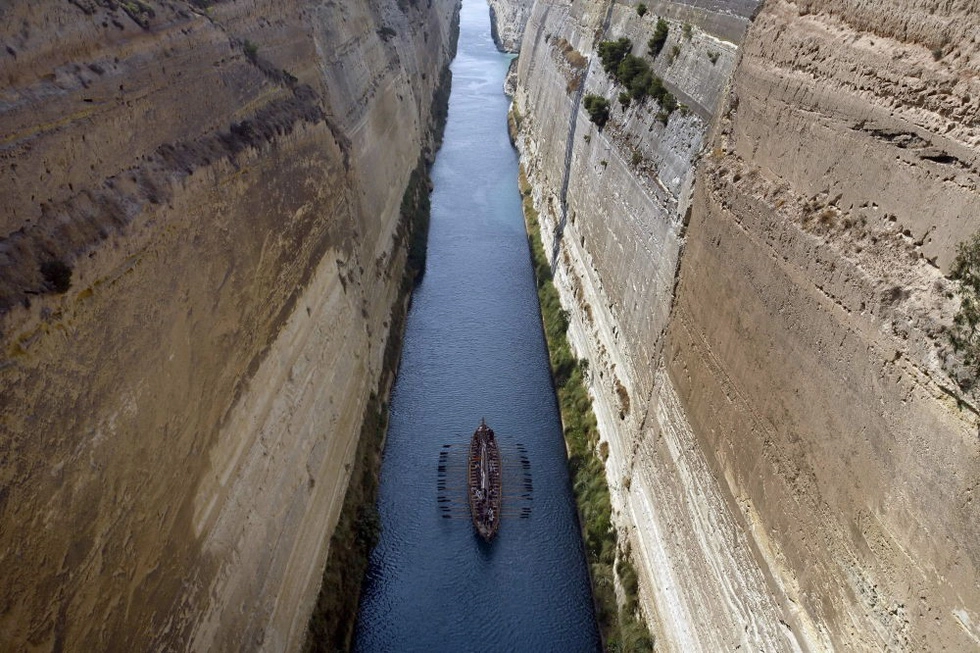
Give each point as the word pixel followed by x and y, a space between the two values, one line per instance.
pixel 811 311
pixel 507 21
pixel 763 310
pixel 616 252
pixel 224 184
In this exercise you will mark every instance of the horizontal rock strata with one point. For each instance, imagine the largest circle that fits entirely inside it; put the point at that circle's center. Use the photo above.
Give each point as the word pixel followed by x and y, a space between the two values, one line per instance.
pixel 764 310
pixel 201 248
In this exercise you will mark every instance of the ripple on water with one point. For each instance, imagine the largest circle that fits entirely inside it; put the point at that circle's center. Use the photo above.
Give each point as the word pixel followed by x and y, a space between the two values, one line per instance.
pixel 474 348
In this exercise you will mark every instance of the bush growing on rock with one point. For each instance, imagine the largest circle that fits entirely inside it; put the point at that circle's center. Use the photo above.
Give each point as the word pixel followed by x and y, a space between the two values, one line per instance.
pixel 635 74
pixel 659 37
pixel 641 9
pixel 598 108
pixel 612 54
pixel 57 275
pixel 251 50
pixel 964 335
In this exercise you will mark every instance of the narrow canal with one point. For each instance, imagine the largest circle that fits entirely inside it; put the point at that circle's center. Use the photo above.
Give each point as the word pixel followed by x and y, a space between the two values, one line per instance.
pixel 474 348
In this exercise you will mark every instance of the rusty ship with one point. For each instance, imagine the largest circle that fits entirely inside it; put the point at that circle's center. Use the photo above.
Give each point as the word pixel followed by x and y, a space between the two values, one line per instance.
pixel 483 473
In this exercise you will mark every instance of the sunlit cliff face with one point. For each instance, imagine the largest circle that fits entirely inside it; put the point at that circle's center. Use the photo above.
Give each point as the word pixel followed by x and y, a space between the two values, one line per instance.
pixel 764 277
pixel 201 253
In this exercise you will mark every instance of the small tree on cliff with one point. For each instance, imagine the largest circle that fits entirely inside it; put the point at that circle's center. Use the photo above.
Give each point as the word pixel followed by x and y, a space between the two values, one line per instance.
pixel 598 108
pixel 656 43
pixel 613 52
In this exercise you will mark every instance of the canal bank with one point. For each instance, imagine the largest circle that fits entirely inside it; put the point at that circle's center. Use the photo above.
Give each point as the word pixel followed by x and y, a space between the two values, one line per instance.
pixel 474 348
pixel 331 624
pixel 621 623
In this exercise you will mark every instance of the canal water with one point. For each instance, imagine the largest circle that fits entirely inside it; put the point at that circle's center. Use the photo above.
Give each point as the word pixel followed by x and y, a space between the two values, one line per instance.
pixel 473 349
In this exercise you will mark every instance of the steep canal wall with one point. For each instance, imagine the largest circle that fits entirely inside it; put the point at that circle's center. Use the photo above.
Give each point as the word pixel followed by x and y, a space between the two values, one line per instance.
pixel 202 254
pixel 760 282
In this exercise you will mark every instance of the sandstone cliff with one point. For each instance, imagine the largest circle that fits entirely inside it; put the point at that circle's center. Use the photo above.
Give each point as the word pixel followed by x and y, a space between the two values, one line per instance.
pixel 764 310
pixel 222 181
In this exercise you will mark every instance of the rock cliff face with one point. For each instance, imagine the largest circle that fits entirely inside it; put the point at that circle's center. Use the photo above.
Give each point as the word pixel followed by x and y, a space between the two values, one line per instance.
pixel 222 183
pixel 764 310
pixel 507 21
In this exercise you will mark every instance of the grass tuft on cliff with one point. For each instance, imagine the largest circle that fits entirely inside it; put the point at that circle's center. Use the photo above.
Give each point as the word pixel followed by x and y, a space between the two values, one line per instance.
pixel 251 50
pixel 622 627
pixel 57 275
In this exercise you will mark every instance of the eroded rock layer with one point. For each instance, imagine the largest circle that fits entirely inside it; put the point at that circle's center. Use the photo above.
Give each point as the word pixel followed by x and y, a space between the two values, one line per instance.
pixel 791 453
pixel 201 248
pixel 843 176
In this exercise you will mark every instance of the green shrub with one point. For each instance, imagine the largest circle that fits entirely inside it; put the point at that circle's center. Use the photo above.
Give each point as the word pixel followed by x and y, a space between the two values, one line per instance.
pixel 656 43
pixel 674 53
pixel 641 9
pixel 622 628
pixel 635 74
pixel 251 50
pixel 624 100
pixel 686 31
pixel 612 54
pixel 598 108
pixel 964 335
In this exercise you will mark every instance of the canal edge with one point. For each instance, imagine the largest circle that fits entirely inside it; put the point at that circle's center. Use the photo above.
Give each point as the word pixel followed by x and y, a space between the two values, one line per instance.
pixel 621 627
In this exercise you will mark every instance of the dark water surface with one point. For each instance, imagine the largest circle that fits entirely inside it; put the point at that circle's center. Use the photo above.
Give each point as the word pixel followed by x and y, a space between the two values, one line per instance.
pixel 474 348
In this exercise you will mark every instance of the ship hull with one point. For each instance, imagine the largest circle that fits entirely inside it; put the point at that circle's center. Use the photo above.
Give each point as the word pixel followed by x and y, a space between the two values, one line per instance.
pixel 484 482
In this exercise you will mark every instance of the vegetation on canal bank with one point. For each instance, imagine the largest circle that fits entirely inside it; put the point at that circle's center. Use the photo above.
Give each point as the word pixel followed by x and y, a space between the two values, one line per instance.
pixel 622 627
pixel 331 626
